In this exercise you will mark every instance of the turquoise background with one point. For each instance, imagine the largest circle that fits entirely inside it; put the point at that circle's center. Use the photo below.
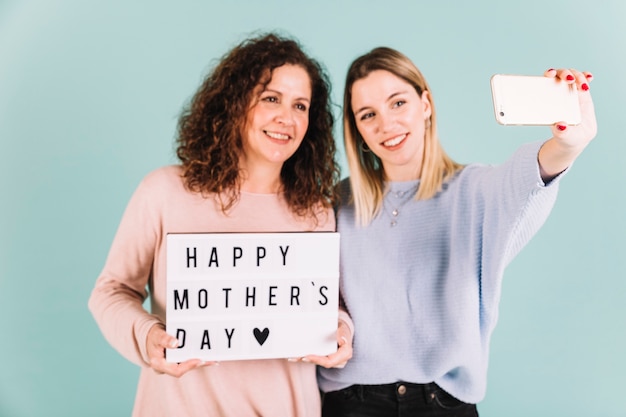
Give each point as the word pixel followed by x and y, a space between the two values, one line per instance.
pixel 89 96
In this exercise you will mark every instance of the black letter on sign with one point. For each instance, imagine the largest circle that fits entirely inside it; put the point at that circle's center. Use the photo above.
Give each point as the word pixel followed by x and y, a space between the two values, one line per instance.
pixel 249 296
pixel 178 302
pixel 325 301
pixel 237 254
pixel 190 257
pixel 229 336
pixel 284 252
pixel 295 293
pixel 226 290
pixel 181 341
pixel 260 254
pixel 203 298
pixel 214 257
pixel 272 296
pixel 205 340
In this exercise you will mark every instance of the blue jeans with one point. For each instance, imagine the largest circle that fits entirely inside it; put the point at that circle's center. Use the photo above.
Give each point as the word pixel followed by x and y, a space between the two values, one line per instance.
pixel 401 399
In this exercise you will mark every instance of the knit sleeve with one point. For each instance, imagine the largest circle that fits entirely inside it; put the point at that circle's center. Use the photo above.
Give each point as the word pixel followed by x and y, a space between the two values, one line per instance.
pixel 532 199
pixel 116 302
pixel 513 203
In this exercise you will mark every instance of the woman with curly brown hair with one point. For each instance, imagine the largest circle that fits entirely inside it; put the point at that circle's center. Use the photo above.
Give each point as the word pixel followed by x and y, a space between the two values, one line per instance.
pixel 257 155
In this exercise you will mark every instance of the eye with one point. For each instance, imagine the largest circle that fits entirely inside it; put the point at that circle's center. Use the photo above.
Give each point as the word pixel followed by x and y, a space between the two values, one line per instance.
pixel 270 99
pixel 399 103
pixel 301 107
pixel 366 116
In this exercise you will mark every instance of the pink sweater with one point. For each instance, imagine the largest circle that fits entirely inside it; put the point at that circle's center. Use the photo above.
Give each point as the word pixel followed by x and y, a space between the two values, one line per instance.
pixel 161 205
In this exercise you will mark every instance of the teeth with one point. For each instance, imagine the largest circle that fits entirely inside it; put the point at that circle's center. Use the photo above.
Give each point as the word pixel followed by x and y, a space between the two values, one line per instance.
pixel 394 141
pixel 274 135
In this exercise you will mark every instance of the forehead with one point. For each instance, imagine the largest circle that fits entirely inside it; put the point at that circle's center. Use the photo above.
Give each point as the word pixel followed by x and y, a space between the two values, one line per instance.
pixel 379 85
pixel 290 77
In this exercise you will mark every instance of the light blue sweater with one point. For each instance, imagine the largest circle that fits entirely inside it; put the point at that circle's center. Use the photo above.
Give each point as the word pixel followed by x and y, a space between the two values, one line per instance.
pixel 424 294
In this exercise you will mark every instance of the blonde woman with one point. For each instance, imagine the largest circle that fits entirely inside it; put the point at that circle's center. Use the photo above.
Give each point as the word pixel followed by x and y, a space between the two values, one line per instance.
pixel 425 241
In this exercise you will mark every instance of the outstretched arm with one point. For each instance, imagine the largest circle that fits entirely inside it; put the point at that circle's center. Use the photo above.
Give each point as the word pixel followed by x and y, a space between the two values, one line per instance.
pixel 567 142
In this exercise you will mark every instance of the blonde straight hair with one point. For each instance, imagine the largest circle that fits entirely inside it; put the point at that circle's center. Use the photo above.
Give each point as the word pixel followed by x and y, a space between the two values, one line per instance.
pixel 367 175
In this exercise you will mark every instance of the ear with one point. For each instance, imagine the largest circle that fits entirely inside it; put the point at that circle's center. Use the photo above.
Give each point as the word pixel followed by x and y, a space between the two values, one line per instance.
pixel 426 103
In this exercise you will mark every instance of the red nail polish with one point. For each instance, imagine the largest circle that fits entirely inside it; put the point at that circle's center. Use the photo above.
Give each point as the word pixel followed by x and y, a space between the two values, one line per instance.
pixel 585 87
pixel 561 127
pixel 589 76
pixel 551 69
pixel 570 78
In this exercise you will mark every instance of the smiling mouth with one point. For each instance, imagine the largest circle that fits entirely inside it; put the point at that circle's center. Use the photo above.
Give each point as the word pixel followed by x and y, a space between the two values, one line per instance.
pixel 278 136
pixel 394 141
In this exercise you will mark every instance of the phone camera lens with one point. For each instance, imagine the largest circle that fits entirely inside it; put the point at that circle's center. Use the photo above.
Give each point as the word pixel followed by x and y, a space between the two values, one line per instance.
pixel 501 113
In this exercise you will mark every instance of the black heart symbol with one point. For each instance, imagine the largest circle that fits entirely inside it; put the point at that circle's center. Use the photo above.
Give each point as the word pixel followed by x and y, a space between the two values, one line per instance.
pixel 261 336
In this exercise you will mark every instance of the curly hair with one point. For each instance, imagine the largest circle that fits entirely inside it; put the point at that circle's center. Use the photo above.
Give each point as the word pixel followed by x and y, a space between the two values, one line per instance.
pixel 211 125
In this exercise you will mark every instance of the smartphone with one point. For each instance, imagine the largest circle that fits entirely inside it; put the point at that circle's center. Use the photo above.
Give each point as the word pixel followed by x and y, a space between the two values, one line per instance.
pixel 534 100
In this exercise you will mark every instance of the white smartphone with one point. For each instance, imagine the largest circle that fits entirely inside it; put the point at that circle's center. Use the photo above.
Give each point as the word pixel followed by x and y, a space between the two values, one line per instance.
pixel 534 100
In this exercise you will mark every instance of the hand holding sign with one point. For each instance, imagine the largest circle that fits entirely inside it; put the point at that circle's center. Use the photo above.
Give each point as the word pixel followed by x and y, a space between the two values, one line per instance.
pixel 157 341
pixel 344 351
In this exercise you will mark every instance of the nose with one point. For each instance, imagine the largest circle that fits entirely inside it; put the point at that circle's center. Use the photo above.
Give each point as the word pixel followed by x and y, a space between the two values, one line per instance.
pixel 385 122
pixel 284 115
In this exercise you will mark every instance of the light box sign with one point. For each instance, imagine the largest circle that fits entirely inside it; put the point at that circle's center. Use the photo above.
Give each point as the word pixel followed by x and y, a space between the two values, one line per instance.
pixel 235 296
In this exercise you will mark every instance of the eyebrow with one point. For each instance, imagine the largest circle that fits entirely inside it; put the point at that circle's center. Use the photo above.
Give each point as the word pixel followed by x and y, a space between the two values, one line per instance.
pixel 391 96
pixel 280 94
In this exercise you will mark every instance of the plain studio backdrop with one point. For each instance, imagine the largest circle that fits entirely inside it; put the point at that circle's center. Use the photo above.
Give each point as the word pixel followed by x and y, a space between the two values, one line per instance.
pixel 90 92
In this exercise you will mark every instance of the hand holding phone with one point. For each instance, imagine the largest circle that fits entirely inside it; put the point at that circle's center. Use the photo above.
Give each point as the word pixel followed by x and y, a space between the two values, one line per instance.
pixel 534 100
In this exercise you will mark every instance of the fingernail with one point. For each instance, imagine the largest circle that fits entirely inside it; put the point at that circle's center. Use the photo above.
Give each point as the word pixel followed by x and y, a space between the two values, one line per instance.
pixel 305 360
pixel 292 360
pixel 174 343
pixel 551 69
pixel 570 77
pixel 589 76
pixel 561 127
pixel 585 87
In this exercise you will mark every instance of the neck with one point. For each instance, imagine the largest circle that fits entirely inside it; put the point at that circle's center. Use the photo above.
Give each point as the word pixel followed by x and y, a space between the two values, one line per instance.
pixel 261 180
pixel 403 173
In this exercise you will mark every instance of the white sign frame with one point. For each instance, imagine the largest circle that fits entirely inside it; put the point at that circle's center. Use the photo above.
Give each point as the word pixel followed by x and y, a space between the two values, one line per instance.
pixel 240 296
